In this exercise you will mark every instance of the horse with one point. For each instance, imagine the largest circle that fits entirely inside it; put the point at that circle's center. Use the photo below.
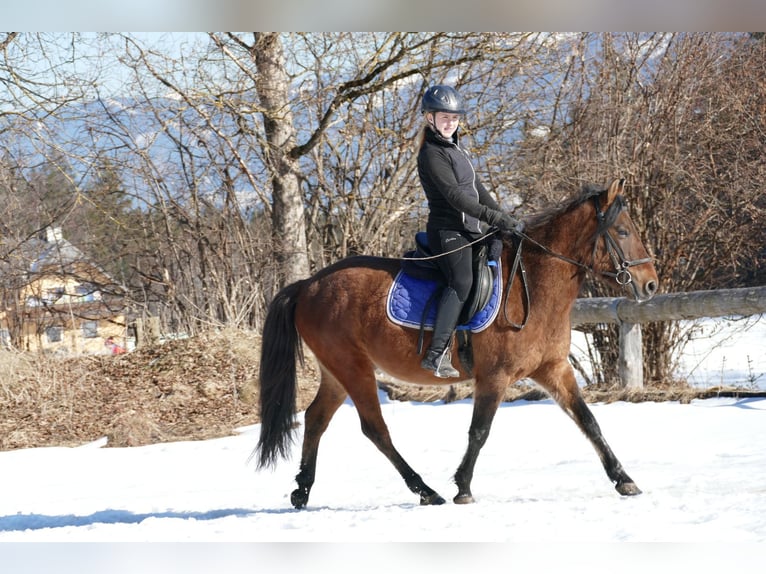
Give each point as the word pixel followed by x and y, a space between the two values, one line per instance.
pixel 339 314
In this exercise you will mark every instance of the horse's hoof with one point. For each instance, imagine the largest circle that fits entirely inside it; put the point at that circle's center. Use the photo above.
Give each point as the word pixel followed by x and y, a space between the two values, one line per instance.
pixel 463 499
pixel 299 498
pixel 628 489
pixel 431 500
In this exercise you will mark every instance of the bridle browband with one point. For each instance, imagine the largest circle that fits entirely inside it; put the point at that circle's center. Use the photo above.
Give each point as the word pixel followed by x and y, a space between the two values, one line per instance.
pixel 622 265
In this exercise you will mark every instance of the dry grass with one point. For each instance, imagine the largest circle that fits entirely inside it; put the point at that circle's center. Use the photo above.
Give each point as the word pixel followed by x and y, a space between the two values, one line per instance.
pixel 190 389
pixel 183 390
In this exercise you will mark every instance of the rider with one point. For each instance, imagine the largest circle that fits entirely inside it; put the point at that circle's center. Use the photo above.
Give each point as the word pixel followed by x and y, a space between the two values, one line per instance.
pixel 460 212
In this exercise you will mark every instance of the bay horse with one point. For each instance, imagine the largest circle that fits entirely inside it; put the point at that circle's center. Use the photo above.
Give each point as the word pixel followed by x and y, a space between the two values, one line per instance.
pixel 339 313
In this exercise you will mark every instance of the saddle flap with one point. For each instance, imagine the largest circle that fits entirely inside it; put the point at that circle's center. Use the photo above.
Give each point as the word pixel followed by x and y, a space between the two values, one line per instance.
pixel 484 276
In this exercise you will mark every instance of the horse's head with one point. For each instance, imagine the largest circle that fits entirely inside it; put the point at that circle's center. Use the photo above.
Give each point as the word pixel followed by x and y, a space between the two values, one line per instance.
pixel 618 252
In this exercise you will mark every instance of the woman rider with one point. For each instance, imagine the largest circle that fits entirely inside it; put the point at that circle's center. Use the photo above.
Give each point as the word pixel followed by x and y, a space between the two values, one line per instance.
pixel 460 212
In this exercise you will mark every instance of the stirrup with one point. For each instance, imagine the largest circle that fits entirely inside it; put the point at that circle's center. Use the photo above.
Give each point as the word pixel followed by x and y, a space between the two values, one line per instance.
pixel 440 364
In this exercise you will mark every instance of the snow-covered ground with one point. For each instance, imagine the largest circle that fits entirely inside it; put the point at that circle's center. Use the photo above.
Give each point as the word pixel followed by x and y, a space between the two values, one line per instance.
pixel 539 485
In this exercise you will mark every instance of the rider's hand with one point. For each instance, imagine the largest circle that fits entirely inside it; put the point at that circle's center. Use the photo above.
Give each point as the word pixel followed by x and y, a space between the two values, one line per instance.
pixel 507 222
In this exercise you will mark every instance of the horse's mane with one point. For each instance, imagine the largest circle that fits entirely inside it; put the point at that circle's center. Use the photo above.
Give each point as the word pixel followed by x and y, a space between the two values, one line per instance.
pixel 544 217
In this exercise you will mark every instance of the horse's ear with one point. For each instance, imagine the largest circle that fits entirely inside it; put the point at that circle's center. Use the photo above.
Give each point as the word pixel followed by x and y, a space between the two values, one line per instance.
pixel 615 189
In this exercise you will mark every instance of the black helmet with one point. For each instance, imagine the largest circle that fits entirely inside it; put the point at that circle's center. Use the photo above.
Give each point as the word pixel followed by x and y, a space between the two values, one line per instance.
pixel 441 99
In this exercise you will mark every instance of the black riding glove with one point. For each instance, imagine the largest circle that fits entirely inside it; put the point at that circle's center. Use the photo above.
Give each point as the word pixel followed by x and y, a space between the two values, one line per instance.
pixel 506 222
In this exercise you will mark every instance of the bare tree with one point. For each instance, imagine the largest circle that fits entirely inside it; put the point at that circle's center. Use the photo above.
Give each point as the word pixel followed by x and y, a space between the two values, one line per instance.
pixel 364 68
pixel 272 84
pixel 677 115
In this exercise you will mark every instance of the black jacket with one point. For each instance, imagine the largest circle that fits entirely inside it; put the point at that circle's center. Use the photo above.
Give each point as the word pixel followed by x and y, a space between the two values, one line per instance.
pixel 456 198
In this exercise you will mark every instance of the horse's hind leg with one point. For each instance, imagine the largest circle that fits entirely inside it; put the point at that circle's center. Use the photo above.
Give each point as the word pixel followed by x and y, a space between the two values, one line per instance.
pixel 374 428
pixel 364 394
pixel 562 385
pixel 329 397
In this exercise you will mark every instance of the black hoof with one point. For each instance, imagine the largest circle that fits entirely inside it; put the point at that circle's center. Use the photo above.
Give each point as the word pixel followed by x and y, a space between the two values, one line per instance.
pixel 299 498
pixel 431 499
pixel 628 488
pixel 463 499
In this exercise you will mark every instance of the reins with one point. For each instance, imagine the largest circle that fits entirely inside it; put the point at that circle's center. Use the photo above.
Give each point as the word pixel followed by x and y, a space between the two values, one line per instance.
pixel 518 264
pixel 445 253
pixel 622 265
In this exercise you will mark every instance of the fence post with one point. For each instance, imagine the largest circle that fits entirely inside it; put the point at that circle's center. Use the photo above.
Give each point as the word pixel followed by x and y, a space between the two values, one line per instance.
pixel 140 336
pixel 631 360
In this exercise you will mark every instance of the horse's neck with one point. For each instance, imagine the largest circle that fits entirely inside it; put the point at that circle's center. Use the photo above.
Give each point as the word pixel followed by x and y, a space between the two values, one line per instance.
pixel 570 234
pixel 558 271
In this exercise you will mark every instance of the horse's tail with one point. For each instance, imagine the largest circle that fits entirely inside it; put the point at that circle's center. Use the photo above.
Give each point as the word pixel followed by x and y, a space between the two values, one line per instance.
pixel 281 345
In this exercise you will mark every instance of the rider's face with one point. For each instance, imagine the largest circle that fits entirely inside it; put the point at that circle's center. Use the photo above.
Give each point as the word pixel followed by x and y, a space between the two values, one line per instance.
pixel 446 124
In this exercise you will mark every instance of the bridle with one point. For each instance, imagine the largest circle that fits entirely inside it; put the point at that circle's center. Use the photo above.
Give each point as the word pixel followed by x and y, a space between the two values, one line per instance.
pixel 622 264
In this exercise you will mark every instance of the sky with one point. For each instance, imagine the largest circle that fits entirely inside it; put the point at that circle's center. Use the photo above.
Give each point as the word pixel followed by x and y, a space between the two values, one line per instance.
pixel 543 499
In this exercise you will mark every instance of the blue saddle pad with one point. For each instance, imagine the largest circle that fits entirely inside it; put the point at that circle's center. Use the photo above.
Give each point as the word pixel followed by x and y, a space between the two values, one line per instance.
pixel 408 297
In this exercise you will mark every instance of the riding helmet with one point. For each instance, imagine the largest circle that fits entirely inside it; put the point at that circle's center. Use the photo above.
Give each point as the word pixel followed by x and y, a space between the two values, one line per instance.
pixel 442 99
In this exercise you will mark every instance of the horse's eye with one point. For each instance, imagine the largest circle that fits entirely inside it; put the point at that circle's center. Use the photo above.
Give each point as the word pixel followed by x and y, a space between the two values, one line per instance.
pixel 622 232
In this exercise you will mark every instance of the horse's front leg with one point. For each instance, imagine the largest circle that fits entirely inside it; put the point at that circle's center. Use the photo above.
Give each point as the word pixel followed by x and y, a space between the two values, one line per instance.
pixel 485 404
pixel 559 380
pixel 584 418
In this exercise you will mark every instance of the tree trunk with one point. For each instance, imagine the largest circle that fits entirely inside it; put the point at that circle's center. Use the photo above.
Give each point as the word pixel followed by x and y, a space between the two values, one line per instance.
pixel 288 224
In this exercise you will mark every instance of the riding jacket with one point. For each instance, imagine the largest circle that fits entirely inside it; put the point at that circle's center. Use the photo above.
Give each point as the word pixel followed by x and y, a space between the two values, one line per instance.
pixel 456 198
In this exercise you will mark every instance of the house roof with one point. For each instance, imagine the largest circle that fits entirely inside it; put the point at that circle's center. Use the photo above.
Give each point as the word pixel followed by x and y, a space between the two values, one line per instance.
pixel 59 253
pixel 49 253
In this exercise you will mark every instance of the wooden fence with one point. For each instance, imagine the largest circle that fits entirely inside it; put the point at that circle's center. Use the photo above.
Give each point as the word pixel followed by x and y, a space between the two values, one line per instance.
pixel 671 307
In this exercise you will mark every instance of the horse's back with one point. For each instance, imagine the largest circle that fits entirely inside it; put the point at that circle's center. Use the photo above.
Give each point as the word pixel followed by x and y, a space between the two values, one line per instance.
pixel 349 291
pixel 358 275
pixel 341 316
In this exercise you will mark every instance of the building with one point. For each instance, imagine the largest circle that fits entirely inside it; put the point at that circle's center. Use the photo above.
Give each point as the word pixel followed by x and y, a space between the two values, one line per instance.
pixel 55 300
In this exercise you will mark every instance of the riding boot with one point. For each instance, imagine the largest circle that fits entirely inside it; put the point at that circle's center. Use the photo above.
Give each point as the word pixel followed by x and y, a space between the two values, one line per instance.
pixel 438 358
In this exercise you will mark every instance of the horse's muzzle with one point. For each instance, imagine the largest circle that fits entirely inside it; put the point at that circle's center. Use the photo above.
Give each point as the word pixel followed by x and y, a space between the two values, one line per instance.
pixel 643 291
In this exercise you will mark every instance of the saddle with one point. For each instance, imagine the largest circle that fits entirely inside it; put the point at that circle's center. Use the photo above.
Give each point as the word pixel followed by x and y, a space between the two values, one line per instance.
pixel 413 296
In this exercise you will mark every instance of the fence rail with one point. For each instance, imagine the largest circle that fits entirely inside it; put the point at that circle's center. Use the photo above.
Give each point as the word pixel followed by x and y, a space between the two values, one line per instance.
pixel 669 307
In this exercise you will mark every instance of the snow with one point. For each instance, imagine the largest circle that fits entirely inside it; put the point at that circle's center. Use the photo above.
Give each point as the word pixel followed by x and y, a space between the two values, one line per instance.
pixel 538 483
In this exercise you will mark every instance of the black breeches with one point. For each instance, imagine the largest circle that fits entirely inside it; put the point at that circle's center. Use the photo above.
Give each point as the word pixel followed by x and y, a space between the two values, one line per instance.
pixel 457 264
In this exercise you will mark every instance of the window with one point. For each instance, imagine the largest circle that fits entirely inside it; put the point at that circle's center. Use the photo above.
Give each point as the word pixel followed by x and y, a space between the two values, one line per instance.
pixel 54 334
pixel 89 329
